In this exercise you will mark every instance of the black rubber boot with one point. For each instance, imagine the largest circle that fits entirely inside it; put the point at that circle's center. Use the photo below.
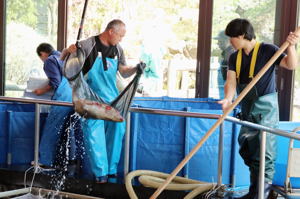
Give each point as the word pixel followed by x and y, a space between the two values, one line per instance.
pixel 252 192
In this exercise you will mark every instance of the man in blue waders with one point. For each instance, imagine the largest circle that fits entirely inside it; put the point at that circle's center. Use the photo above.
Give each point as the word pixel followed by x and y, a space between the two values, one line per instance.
pixel 260 105
pixel 104 57
pixel 58 115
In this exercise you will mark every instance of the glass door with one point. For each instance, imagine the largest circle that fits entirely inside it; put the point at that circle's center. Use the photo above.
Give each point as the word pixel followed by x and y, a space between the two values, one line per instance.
pixel 162 33
pixel 296 98
pixel 29 23
pixel 296 89
pixel 260 13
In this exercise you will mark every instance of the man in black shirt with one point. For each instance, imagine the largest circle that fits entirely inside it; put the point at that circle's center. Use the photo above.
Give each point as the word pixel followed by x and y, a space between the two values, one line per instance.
pixel 104 58
pixel 260 105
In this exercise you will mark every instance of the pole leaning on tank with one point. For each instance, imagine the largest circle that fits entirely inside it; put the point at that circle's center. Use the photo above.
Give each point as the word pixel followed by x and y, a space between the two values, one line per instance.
pixel 221 119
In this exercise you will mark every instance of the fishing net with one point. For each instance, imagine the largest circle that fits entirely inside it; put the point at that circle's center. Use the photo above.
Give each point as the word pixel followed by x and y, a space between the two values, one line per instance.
pixel 83 95
pixel 74 63
pixel 123 101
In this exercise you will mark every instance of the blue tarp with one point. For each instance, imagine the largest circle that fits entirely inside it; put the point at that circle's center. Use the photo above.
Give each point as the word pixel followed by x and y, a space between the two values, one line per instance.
pixel 21 134
pixel 158 142
pixel 17 132
pixel 169 103
pixel 207 156
pixel 282 155
pixel 16 107
pixel 3 137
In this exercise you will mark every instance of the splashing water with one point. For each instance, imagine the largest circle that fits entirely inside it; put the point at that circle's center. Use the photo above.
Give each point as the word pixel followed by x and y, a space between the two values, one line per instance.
pixel 70 151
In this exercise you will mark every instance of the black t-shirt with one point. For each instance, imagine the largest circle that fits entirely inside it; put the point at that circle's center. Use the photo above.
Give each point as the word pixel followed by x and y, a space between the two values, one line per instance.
pixel 114 52
pixel 267 83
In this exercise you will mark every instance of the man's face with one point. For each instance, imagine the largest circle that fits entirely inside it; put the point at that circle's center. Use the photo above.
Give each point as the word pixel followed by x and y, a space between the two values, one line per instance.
pixel 43 56
pixel 116 35
pixel 237 42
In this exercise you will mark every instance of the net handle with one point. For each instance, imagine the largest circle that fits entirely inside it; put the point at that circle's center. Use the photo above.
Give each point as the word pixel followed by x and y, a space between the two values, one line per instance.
pixel 81 22
pixel 77 40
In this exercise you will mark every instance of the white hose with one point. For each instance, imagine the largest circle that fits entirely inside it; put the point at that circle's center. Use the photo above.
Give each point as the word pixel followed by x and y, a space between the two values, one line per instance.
pixel 154 179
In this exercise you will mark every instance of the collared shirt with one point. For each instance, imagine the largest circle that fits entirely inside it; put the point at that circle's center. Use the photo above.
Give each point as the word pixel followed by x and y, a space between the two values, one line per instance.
pixel 52 68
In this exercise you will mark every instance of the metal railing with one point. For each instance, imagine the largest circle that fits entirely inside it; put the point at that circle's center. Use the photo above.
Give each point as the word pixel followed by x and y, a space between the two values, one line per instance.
pixel 264 129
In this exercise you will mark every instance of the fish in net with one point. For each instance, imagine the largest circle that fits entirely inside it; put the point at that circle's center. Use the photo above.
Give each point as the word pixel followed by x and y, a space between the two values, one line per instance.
pixel 87 103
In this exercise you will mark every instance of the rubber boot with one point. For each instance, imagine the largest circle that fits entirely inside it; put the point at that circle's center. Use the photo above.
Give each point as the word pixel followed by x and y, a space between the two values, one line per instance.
pixel 252 192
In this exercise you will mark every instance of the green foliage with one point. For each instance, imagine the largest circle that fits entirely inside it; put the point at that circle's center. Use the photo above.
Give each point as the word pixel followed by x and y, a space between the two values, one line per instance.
pixel 170 20
pixel 22 11
pixel 29 22
pixel 260 13
pixel 21 53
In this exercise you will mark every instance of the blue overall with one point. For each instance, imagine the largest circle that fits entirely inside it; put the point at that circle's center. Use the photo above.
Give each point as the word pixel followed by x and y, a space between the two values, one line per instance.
pixel 103 139
pixel 54 122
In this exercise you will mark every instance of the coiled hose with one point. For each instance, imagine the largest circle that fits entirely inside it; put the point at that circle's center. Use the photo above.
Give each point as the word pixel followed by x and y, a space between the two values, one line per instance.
pixel 154 179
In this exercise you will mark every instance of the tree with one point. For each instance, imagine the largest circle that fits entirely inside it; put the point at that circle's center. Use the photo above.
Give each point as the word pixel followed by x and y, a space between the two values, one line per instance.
pixel 22 11
pixel 28 19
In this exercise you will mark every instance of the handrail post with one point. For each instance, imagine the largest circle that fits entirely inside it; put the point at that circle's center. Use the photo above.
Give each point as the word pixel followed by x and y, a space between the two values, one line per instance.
pixel 220 154
pixel 127 145
pixel 262 165
pixel 36 137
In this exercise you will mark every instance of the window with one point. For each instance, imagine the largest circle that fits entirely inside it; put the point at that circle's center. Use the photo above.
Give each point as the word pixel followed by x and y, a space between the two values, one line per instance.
pixel 262 16
pixel 29 23
pixel 296 91
pixel 161 33
pixel 296 99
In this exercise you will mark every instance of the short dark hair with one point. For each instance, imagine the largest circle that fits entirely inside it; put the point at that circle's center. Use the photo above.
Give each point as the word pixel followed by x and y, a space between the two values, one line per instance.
pixel 238 27
pixel 44 47
pixel 114 24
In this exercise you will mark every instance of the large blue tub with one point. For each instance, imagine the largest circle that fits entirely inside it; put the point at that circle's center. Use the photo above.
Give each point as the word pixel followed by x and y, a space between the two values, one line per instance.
pixel 158 142
pixel 282 155
pixel 17 132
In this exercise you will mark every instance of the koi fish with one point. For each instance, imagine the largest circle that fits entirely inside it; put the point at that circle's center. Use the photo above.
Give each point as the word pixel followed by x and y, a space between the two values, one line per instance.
pixel 97 110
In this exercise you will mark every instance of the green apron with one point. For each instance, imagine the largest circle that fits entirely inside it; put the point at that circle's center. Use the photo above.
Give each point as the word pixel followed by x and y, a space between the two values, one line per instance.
pixel 260 110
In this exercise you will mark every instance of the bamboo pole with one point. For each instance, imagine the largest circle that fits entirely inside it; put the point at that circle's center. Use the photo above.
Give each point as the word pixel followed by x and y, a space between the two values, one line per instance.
pixel 221 119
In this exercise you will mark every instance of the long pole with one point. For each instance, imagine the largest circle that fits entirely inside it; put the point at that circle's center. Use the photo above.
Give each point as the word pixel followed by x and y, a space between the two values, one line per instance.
pixel 81 21
pixel 221 119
